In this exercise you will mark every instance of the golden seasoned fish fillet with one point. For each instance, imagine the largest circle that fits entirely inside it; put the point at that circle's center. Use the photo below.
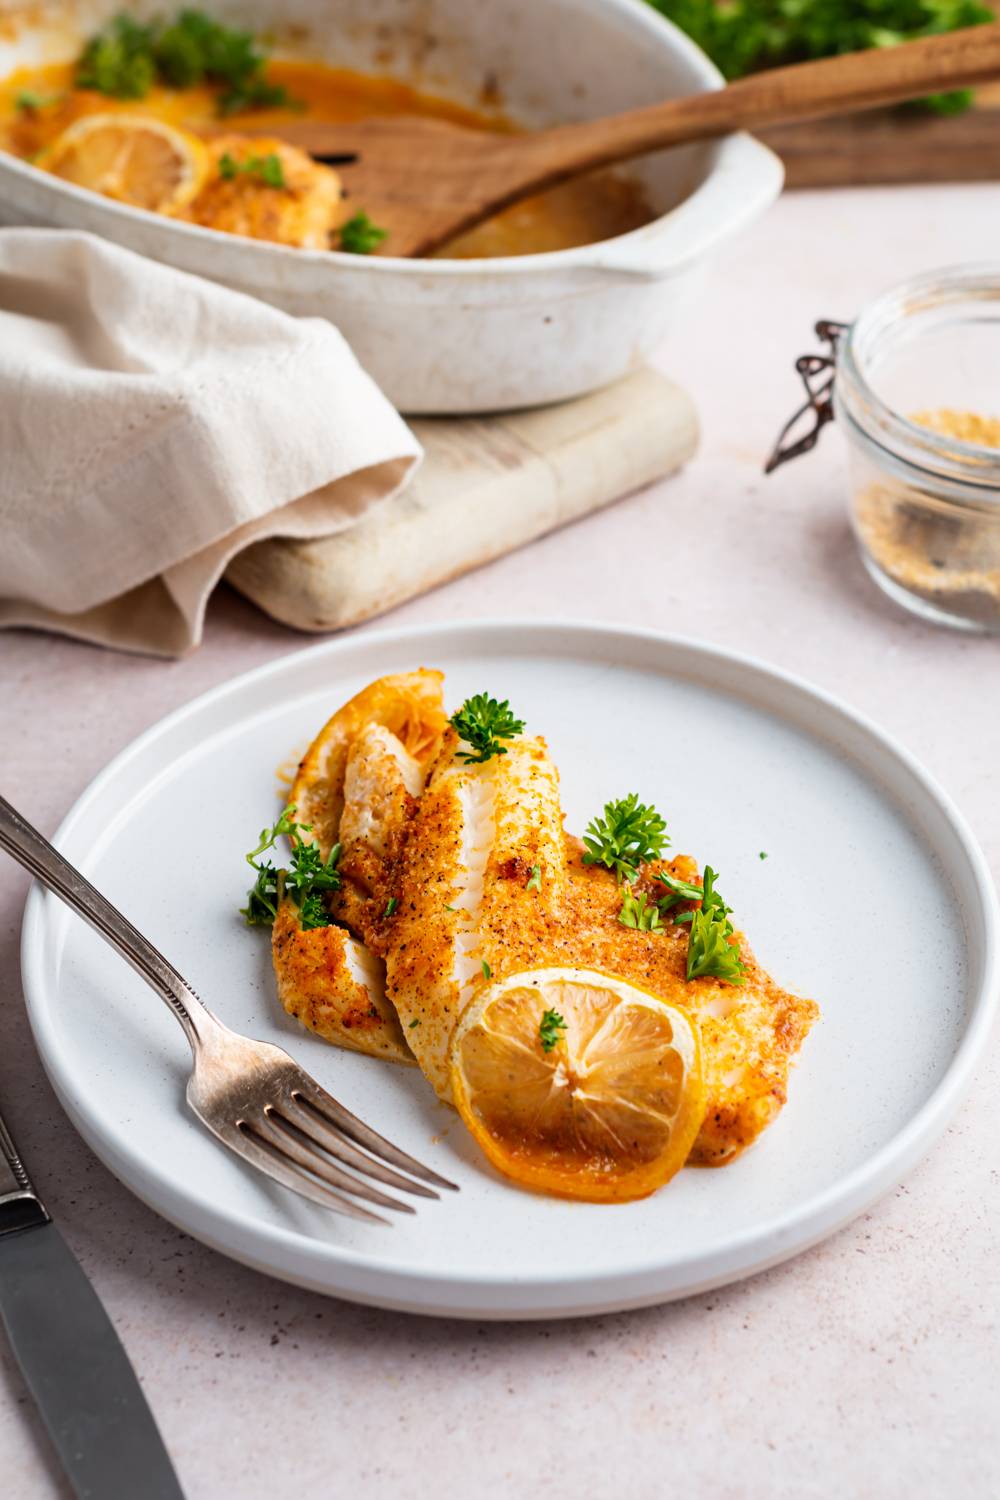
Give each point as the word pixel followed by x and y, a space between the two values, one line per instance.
pixel 469 876
pixel 478 833
pixel 468 895
pixel 357 784
pixel 300 209
pixel 750 1032
pixel 335 985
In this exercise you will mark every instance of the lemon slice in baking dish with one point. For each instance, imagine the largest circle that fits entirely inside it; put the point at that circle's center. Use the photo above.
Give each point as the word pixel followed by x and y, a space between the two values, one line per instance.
pixel 579 1084
pixel 132 158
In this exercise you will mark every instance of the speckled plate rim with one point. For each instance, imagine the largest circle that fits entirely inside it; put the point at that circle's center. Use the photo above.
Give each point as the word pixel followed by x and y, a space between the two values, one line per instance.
pixel 334 1270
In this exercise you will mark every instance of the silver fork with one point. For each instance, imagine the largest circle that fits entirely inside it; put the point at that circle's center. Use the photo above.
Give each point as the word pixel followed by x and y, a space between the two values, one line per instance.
pixel 251 1095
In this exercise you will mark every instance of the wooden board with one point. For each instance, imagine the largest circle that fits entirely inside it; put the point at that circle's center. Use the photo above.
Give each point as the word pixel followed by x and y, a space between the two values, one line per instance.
pixel 486 486
pixel 886 146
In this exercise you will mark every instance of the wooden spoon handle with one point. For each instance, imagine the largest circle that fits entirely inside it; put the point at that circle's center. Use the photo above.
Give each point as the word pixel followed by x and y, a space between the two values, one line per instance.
pixel 833 86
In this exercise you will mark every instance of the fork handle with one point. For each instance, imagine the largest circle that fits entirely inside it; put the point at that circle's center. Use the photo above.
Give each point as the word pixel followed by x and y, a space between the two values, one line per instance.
pixel 25 844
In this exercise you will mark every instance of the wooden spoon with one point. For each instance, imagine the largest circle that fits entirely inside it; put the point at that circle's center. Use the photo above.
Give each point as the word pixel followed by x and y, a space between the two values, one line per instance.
pixel 426 181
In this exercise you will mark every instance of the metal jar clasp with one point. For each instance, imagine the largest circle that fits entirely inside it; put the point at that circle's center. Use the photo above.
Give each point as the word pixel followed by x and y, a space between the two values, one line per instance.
pixel 817 372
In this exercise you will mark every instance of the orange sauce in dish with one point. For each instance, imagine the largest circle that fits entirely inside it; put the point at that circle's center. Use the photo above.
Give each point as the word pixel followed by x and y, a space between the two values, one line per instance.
pixel 592 208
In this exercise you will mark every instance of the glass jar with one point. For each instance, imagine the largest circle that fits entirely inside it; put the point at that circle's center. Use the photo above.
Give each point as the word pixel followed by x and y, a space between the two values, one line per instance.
pixel 916 391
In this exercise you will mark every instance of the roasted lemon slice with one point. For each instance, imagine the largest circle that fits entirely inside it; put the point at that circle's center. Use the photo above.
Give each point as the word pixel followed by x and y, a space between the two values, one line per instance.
pixel 409 704
pixel 132 158
pixel 579 1084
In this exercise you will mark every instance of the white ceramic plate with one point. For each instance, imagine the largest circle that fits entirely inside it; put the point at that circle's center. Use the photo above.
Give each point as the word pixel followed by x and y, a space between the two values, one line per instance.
pixel 874 899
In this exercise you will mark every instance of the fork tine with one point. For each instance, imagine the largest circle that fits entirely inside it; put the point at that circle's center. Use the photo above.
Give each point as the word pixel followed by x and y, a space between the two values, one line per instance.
pixel 273 1164
pixel 309 1092
pixel 319 1130
pixel 283 1135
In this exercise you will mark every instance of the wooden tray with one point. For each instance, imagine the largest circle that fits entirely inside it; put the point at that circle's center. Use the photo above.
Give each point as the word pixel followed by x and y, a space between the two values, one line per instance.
pixel 486 486
pixel 886 146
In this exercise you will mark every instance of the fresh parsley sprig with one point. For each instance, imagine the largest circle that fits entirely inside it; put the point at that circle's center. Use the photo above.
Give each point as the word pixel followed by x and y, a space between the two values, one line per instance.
pixel 628 834
pixel 266 169
pixel 309 871
pixel 29 101
pixel 306 879
pixel 678 890
pixel 262 897
pixel 255 93
pixel 126 58
pixel 482 723
pixel 640 913
pixel 359 236
pixel 711 951
pixel 119 60
pixel 550 1029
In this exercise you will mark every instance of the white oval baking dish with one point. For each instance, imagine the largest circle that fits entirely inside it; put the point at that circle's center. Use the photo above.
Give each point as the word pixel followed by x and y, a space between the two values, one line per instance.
pixel 455 336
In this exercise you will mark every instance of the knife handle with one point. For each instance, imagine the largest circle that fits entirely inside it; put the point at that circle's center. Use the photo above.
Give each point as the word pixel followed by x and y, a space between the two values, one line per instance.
pixel 20 1205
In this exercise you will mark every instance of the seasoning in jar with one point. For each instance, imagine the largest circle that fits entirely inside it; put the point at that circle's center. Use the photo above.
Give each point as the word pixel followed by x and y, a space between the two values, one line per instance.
pixel 911 383
pixel 928 546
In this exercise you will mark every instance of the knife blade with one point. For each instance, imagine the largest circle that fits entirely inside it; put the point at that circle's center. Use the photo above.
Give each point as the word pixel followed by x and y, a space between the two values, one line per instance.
pixel 72 1360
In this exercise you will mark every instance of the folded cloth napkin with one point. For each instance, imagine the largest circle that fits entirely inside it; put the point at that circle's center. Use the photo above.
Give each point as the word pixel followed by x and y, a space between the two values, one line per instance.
pixel 152 425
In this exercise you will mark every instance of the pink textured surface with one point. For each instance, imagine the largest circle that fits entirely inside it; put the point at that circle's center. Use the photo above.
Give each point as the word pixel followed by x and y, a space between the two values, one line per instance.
pixel 866 1367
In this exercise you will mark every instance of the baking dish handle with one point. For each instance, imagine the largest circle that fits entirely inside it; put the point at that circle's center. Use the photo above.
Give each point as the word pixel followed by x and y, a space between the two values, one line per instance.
pixel 744 180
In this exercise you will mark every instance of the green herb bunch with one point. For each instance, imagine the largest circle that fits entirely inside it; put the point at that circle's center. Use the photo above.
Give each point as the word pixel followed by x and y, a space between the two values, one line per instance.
pixel 126 58
pixel 550 1029
pixel 359 236
pixel 482 723
pixel 677 891
pixel 639 912
pixel 711 952
pixel 746 36
pixel 627 836
pixel 306 879
pixel 266 169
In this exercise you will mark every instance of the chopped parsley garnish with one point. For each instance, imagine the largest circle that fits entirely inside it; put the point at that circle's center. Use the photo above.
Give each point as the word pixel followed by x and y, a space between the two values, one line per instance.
pixel 125 59
pixel 637 912
pixel 390 906
pixel 745 36
pixel 310 873
pixel 679 890
pixel 119 60
pixel 550 1029
pixel 762 854
pixel 262 898
pixel 267 169
pixel 359 236
pixel 711 953
pixel 487 971
pixel 26 101
pixel 629 834
pixel 535 883
pixel 256 93
pixel 482 723
pixel 312 912
pixel 306 879
pixel 414 1022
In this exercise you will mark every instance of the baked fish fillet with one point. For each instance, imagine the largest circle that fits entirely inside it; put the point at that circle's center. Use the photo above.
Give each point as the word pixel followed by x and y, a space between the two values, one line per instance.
pixel 456 873
pixel 465 910
pixel 469 895
pixel 750 1032
pixel 301 208
pixel 357 785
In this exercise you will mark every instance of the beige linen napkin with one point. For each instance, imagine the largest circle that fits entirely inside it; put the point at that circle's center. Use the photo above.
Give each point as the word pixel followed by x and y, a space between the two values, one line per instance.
pixel 152 425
